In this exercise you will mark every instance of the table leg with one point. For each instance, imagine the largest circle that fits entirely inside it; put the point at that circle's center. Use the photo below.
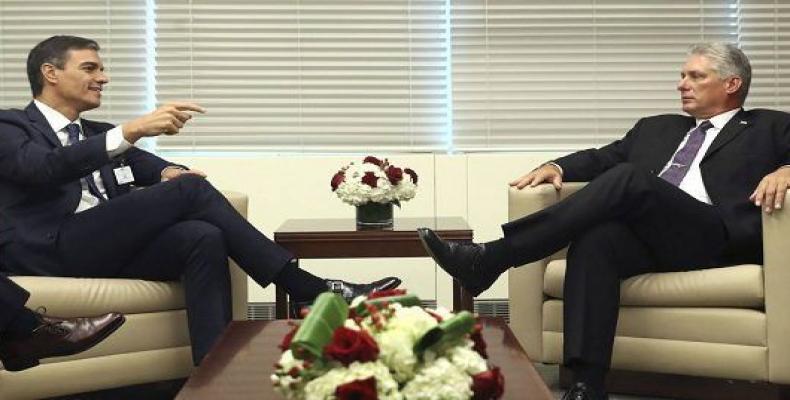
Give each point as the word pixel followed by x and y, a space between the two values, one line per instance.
pixel 462 300
pixel 281 303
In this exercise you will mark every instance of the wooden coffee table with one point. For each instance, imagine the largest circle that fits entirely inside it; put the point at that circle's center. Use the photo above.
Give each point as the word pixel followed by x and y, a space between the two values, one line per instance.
pixel 240 363
pixel 340 238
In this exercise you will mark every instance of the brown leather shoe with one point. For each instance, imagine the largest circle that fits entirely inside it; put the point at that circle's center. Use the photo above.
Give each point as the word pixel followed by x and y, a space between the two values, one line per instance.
pixel 57 337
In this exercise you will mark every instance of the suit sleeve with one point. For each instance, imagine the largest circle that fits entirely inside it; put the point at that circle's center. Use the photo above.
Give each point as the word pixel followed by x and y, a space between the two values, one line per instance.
pixel 27 163
pixel 586 165
pixel 146 167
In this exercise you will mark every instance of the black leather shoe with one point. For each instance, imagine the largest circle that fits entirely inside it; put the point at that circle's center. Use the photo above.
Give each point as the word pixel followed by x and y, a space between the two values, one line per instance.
pixel 350 290
pixel 462 260
pixel 581 391
pixel 57 337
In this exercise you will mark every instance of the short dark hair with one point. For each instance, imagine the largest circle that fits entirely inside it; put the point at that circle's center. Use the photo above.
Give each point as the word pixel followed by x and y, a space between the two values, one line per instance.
pixel 53 51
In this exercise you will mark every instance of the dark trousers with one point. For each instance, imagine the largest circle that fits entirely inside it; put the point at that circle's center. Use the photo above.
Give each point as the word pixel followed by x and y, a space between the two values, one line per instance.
pixel 12 300
pixel 181 229
pixel 623 223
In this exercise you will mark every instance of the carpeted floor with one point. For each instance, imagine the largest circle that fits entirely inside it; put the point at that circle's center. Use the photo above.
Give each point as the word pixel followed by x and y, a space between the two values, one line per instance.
pixel 551 375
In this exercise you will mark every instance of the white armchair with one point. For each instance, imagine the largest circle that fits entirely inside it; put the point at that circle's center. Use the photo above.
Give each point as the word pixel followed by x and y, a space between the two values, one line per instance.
pixel 153 345
pixel 728 323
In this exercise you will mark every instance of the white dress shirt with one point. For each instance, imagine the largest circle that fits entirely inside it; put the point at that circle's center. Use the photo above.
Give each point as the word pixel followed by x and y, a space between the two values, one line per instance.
pixel 116 145
pixel 692 183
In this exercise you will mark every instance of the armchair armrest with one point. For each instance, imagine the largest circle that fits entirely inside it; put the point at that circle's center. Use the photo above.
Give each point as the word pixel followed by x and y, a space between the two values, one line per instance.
pixel 776 268
pixel 525 283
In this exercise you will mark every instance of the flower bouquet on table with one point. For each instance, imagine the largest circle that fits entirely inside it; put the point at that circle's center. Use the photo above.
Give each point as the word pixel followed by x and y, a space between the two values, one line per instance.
pixel 385 347
pixel 374 181
pixel 373 186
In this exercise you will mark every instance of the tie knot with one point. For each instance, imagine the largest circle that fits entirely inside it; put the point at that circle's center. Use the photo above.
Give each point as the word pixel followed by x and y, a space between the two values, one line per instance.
pixel 74 133
pixel 704 126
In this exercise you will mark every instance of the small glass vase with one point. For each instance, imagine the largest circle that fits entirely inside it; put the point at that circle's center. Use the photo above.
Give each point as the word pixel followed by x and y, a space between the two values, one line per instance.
pixel 374 215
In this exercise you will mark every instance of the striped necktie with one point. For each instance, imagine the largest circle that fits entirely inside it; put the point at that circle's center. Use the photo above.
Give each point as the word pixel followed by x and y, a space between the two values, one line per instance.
pixel 74 136
pixel 682 160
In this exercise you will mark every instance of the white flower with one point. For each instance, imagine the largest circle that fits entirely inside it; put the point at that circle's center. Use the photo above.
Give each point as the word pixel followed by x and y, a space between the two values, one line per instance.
pixel 287 385
pixel 467 359
pixel 323 387
pixel 439 380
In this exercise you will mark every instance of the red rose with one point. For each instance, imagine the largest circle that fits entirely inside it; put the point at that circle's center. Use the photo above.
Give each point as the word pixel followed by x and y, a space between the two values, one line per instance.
pixel 411 174
pixel 480 343
pixel 370 179
pixel 348 345
pixel 373 160
pixel 488 385
pixel 394 174
pixel 339 178
pixel 360 389
pixel 286 343
pixel 386 293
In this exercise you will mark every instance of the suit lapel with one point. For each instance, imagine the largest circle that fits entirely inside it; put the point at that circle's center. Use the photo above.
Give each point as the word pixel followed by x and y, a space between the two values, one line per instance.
pixel 670 142
pixel 737 124
pixel 40 123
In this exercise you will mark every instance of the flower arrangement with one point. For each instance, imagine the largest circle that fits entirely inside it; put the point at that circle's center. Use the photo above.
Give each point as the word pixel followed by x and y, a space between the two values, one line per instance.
pixel 374 180
pixel 385 347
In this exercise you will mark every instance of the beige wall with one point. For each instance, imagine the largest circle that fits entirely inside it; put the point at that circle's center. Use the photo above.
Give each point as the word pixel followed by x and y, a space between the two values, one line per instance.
pixel 473 186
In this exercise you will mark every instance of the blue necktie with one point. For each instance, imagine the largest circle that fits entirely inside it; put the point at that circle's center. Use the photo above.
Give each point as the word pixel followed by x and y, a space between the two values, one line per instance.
pixel 682 160
pixel 74 136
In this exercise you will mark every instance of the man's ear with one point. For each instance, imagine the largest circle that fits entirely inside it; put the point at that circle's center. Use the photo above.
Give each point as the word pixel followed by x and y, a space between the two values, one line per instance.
pixel 733 84
pixel 49 72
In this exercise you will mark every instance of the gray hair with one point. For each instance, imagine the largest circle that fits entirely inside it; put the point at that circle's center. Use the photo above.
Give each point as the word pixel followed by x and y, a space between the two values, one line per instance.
pixel 728 61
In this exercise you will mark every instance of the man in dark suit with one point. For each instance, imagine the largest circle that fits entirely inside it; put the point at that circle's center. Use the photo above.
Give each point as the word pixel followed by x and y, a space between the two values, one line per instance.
pixel 676 193
pixel 27 336
pixel 66 208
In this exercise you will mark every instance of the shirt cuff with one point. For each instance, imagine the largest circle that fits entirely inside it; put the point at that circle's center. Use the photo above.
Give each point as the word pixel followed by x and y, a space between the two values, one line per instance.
pixel 552 163
pixel 115 142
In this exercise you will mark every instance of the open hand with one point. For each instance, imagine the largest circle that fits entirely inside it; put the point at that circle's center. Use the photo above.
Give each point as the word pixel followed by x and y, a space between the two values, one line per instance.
pixel 546 173
pixel 770 192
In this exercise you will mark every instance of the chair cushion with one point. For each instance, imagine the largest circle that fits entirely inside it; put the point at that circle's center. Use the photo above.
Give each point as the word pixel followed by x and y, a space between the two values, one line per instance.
pixel 735 286
pixel 71 297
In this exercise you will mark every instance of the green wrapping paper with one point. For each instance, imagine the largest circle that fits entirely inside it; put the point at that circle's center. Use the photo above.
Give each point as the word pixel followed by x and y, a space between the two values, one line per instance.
pixel 329 312
pixel 406 300
pixel 446 333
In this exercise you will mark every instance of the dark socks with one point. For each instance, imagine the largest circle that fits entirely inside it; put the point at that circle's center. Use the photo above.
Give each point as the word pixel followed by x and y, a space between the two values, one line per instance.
pixel 299 284
pixel 497 256
pixel 24 323
pixel 593 376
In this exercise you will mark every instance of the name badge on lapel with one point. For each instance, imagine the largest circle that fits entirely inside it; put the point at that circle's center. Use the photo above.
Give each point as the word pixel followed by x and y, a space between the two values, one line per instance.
pixel 123 175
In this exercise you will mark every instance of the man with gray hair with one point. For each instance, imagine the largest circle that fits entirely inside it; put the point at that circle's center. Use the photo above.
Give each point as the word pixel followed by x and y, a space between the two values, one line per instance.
pixel 676 193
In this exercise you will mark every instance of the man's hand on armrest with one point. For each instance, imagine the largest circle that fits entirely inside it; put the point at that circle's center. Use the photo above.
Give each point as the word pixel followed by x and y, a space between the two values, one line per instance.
pixel 770 193
pixel 546 173
pixel 173 172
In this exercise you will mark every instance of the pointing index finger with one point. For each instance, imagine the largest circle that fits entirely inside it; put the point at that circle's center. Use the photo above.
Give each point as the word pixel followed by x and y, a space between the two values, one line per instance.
pixel 187 106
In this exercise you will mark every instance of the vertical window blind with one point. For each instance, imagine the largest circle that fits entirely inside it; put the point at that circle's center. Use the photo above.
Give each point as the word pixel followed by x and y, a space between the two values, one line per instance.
pixel 764 34
pixel 305 75
pixel 570 74
pixel 119 26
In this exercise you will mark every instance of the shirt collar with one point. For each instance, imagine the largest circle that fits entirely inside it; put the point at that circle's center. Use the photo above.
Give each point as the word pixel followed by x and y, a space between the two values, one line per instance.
pixel 55 119
pixel 722 119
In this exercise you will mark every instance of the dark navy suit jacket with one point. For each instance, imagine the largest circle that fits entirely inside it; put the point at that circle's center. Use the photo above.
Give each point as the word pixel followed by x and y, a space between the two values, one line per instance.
pixel 753 144
pixel 40 180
